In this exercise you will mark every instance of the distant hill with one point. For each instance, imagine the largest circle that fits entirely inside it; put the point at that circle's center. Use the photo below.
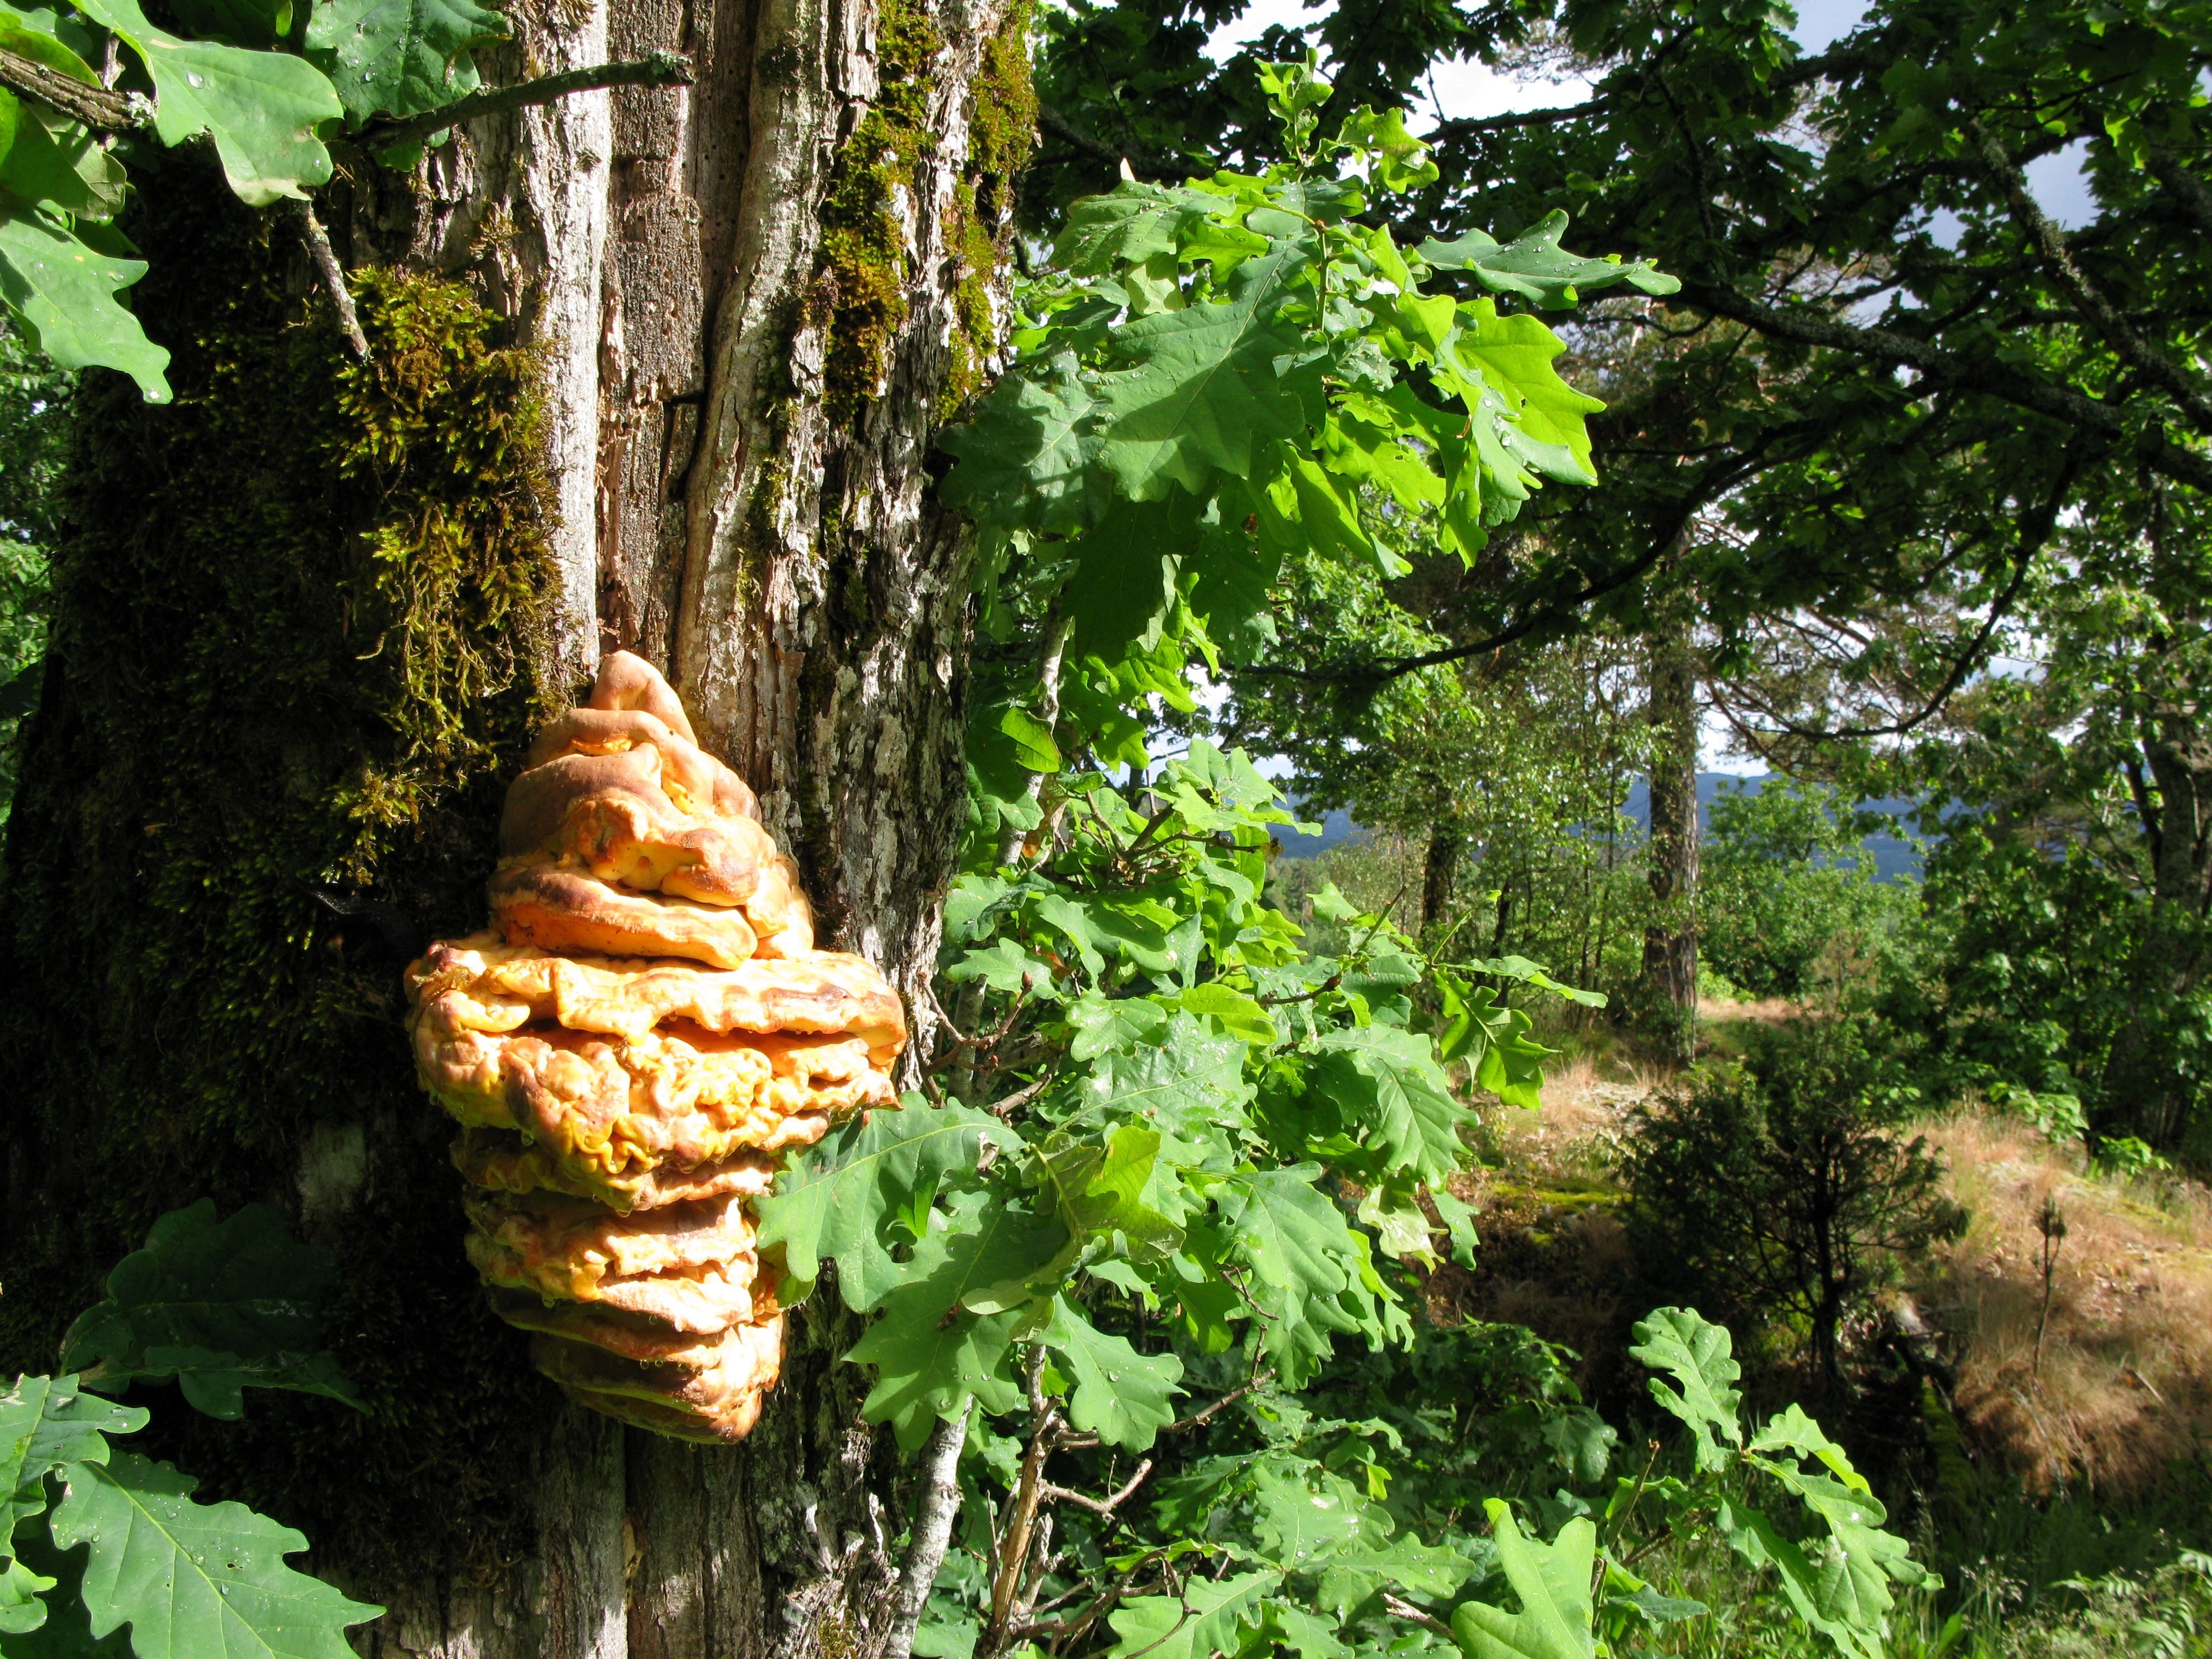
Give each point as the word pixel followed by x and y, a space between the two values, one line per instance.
pixel 1893 857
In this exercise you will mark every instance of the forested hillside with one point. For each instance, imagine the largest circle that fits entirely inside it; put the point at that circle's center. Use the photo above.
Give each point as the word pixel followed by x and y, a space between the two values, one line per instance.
pixel 838 830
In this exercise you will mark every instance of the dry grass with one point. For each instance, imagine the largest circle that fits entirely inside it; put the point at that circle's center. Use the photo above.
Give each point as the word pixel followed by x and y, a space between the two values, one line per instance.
pixel 1576 1133
pixel 1765 1011
pixel 2125 1385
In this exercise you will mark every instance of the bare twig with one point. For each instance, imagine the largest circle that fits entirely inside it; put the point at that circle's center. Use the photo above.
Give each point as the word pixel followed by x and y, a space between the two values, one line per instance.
pixel 659 69
pixel 1101 1505
pixel 1008 1103
pixel 333 275
pixel 1014 1539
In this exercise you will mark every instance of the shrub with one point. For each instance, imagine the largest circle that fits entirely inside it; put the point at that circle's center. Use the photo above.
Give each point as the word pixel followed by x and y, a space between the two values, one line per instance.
pixel 1783 1184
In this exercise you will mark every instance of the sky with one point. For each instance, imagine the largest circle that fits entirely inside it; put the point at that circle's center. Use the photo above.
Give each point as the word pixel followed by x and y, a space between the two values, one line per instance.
pixel 1471 91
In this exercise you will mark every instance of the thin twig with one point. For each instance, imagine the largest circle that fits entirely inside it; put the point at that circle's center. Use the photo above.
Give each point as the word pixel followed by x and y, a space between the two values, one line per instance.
pixel 333 275
pixel 1053 1494
pixel 658 69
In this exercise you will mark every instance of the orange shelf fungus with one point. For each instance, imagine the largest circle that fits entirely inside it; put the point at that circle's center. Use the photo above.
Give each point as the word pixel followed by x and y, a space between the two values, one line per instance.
pixel 630 1048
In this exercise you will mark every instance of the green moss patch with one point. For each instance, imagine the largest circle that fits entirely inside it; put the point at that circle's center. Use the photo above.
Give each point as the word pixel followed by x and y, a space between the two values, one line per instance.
pixel 298 623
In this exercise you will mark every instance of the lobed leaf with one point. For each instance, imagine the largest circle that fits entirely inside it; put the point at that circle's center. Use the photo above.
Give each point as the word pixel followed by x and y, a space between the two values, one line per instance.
pixel 399 56
pixel 1553 1582
pixel 840 1199
pixel 1696 1353
pixel 62 294
pixel 261 108
pixel 194 1581
pixel 218 1306
pixel 1122 1396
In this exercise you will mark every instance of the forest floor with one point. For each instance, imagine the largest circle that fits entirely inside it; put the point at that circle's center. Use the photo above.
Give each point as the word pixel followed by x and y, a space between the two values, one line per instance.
pixel 2121 1389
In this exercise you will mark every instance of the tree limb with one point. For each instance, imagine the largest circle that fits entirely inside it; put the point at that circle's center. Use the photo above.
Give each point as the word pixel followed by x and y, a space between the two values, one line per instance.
pixel 1100 1505
pixel 97 107
pixel 659 69
pixel 2034 531
pixel 933 1530
pixel 2194 195
pixel 2058 258
pixel 1718 478
pixel 1942 367
pixel 1076 138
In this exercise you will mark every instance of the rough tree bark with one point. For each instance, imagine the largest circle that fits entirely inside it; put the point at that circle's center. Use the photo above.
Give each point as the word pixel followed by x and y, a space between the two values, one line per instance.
pixel 753 300
pixel 1670 943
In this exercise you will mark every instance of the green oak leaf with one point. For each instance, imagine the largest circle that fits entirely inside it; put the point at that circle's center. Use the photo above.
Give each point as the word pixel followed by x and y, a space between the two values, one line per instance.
pixel 1302 1513
pixel 1123 588
pixel 22 1609
pixel 1208 1618
pixel 1309 1636
pixel 1515 354
pixel 1534 266
pixel 1697 1354
pixel 260 107
pixel 1185 1082
pixel 1240 1016
pixel 1111 1188
pixel 1122 1396
pixel 948 1328
pixel 55 161
pixel 1129 225
pixel 1459 1222
pixel 1792 1430
pixel 1205 389
pixel 62 294
pixel 66 1631
pixel 194 1581
pixel 1553 1582
pixel 1103 1024
pixel 1025 456
pixel 400 57
pixel 1388 1081
pixel 1811 1590
pixel 1352 1575
pixel 44 1423
pixel 840 1198
pixel 219 1306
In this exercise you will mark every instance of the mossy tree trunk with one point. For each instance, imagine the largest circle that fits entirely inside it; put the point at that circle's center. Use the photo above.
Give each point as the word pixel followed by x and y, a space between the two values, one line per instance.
pixel 658 369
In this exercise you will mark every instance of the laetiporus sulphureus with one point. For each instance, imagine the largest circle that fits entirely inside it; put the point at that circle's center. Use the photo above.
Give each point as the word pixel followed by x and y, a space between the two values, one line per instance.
pixel 630 1048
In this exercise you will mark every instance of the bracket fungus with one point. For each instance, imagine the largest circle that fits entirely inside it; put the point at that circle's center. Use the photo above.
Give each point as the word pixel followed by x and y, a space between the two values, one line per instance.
pixel 629 1049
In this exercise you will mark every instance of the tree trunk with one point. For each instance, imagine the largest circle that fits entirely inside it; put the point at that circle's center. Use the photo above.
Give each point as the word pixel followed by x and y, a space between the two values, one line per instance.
pixel 304 619
pixel 1439 871
pixel 1670 942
